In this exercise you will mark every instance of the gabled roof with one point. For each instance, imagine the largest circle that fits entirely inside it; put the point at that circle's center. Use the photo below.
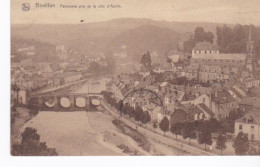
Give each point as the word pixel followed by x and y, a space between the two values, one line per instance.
pixel 251 118
pixel 236 92
pixel 204 108
pixel 222 96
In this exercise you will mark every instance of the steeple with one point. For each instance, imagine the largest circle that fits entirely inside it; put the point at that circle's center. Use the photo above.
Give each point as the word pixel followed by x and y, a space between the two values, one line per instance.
pixel 250 43
pixel 250 51
pixel 250 33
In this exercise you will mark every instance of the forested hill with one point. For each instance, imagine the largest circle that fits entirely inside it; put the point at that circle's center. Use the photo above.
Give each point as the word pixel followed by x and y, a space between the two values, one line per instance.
pixel 139 35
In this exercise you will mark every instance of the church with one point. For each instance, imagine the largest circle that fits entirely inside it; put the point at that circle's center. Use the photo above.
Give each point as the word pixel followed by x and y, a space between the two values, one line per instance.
pixel 205 53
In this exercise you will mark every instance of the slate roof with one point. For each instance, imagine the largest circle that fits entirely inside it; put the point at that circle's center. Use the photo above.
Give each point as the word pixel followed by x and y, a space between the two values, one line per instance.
pixel 236 92
pixel 220 56
pixel 205 46
pixel 222 96
pixel 204 108
pixel 252 101
pixel 252 118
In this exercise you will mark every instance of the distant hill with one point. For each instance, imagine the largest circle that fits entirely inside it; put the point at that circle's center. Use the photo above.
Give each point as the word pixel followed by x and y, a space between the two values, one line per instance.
pixel 139 35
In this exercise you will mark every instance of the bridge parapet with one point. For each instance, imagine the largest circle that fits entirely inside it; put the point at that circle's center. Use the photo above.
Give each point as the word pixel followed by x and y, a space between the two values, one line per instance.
pixel 65 102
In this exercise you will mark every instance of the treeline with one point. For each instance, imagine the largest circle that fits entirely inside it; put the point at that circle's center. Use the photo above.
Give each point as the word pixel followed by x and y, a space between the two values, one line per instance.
pixel 233 40
pixel 202 131
pixel 199 35
pixel 228 39
pixel 191 130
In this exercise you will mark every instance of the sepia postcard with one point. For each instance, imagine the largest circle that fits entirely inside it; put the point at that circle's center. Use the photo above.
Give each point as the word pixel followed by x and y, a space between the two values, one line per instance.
pixel 135 77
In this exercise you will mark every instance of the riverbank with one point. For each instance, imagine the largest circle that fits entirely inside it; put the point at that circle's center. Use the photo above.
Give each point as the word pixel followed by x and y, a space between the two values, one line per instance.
pixel 181 148
pixel 62 88
pixel 20 118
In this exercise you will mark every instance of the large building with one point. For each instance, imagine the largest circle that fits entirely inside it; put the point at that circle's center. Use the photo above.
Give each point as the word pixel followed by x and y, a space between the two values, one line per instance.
pixel 205 53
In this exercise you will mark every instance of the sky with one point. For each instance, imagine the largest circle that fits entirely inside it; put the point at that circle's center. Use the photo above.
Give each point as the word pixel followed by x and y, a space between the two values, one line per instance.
pixel 220 11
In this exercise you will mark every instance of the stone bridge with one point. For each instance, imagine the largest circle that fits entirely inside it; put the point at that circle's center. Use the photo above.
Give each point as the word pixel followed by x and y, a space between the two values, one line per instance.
pixel 66 102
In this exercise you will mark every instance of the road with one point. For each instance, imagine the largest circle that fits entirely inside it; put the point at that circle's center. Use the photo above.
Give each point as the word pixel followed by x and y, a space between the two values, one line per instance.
pixel 150 134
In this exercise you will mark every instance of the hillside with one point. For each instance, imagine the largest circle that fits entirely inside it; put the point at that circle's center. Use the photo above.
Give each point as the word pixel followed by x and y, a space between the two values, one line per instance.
pixel 139 35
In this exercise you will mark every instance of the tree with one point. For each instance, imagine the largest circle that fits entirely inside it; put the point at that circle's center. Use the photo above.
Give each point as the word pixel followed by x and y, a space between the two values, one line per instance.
pixel 221 143
pixel 164 125
pixel 154 125
pixel 125 108
pixel 213 125
pixel 138 113
pixel 208 36
pixel 131 112
pixel 205 138
pixel 198 34
pixel 188 131
pixel 31 145
pixel 146 60
pixel 188 45
pixel 145 117
pixel 241 144
pixel 177 129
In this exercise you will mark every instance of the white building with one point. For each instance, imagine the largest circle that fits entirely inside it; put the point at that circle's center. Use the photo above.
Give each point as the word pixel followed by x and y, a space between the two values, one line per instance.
pixel 250 125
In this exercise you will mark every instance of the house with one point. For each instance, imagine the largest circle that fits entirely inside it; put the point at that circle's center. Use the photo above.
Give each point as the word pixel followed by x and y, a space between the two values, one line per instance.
pixel 200 107
pixel 213 72
pixel 159 69
pixel 154 113
pixel 250 125
pixel 249 103
pixel 222 102
pixel 115 88
pixel 175 56
pixel 202 99
pixel 198 90
pixel 192 72
pixel 251 82
pixel 19 93
pixel 205 112
pixel 144 73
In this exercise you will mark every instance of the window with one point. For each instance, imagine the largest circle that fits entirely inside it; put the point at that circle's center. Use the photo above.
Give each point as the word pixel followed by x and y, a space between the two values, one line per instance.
pixel 252 136
pixel 203 100
pixel 240 127
pixel 252 128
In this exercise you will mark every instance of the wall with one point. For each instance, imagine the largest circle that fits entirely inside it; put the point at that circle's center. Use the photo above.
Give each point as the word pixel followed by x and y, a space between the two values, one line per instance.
pixel 246 128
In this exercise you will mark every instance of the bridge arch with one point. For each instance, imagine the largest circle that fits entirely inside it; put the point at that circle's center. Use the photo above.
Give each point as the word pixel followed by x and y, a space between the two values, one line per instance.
pixel 65 102
pixel 80 102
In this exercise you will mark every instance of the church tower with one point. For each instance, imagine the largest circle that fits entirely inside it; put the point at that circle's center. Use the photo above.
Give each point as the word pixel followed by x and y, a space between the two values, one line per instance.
pixel 250 51
pixel 250 43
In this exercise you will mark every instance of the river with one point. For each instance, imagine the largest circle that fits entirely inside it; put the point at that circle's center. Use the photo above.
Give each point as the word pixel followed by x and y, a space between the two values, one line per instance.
pixel 89 133
pixel 93 86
